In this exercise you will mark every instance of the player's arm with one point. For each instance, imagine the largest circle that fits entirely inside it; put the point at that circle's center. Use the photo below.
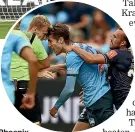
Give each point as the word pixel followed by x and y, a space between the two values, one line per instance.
pixel 43 64
pixel 48 73
pixel 28 55
pixel 67 91
pixel 74 63
pixel 56 68
pixel 90 57
pixel 22 48
pixel 65 94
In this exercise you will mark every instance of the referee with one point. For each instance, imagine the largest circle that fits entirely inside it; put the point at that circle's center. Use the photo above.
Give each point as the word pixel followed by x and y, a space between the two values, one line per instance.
pixel 20 71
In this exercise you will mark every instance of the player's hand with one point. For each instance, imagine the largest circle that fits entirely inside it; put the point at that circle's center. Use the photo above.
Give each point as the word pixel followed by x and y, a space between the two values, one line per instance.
pixel 28 101
pixel 46 74
pixel 53 112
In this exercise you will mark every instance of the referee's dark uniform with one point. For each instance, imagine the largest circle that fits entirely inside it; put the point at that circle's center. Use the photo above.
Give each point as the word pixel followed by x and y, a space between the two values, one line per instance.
pixel 120 74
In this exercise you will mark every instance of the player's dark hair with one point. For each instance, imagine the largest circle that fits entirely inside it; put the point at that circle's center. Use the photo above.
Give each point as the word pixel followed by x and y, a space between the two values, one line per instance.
pixel 128 43
pixel 60 30
pixel 126 39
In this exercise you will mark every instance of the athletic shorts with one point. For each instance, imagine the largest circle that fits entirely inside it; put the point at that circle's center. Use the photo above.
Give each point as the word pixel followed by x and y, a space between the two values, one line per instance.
pixel 98 112
pixel 34 114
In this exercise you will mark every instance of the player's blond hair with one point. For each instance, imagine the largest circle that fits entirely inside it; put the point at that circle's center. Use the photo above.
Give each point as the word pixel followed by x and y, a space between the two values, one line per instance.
pixel 39 21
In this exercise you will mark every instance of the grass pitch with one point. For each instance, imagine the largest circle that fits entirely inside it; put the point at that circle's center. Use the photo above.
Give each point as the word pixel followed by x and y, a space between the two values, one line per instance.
pixel 4 28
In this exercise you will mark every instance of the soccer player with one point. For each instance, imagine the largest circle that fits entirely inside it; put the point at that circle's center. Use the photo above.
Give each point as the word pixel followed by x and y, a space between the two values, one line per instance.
pixel 19 68
pixel 91 77
pixel 18 42
pixel 120 61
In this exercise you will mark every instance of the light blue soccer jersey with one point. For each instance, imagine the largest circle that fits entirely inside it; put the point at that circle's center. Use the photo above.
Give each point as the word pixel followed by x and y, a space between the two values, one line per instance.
pixel 16 42
pixel 91 77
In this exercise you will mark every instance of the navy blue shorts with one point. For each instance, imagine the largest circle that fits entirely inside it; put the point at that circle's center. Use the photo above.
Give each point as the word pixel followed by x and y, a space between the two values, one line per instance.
pixel 98 112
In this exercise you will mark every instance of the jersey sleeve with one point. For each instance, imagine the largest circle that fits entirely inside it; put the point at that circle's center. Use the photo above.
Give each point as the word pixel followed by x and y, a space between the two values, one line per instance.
pixel 39 49
pixel 20 44
pixel 73 65
pixel 112 56
pixel 66 92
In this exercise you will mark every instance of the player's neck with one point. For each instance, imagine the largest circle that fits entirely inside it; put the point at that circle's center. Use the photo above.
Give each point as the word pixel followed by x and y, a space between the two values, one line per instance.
pixel 123 48
pixel 66 48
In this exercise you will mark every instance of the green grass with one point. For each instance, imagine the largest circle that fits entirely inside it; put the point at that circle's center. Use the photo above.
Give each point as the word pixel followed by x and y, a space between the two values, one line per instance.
pixel 4 28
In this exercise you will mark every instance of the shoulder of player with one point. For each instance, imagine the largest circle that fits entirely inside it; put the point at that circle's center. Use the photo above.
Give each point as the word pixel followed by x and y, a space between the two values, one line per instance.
pixel 37 46
pixel 86 47
pixel 37 40
pixel 19 33
pixel 72 56
pixel 121 54
pixel 124 53
pixel 113 52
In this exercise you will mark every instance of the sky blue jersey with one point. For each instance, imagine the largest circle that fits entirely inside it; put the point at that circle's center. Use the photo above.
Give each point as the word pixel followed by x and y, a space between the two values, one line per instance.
pixel 91 77
pixel 16 42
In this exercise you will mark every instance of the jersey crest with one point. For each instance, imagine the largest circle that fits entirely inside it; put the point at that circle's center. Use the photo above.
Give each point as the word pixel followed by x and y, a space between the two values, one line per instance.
pixel 111 54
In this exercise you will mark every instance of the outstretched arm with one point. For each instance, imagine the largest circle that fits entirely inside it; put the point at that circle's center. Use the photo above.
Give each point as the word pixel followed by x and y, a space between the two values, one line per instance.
pixel 89 57
pixel 56 68
pixel 48 72
pixel 73 62
pixel 65 94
